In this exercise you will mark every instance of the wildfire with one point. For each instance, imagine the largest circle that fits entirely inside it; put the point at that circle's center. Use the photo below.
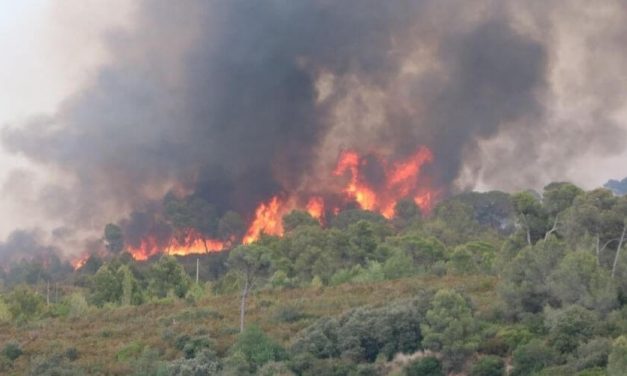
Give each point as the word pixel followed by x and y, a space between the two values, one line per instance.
pixel 315 207
pixel 372 181
pixel 268 220
pixel 79 262
pixel 191 243
pixel 402 179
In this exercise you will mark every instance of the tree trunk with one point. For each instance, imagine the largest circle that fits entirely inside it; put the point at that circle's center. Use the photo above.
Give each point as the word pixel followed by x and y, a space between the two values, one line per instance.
pixel 47 292
pixel 242 307
pixel 552 230
pixel 204 242
pixel 598 248
pixel 620 245
pixel 528 229
pixel 197 267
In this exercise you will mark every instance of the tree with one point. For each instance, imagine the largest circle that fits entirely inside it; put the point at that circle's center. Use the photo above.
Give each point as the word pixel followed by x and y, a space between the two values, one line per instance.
pixel 579 280
pixel 532 357
pixel 114 238
pixel 106 286
pixel 525 287
pixel 557 198
pixel 297 218
pixel 532 216
pixel 569 326
pixel 488 366
pixel 251 262
pixel 191 217
pixel 24 304
pixel 167 276
pixel 450 328
pixel 406 212
pixel 231 226
pixel 257 348
pixel 428 366
pixel 617 361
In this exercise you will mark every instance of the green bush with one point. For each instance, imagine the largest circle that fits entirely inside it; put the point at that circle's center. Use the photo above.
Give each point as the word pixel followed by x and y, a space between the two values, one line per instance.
pixel 12 350
pixel 257 348
pixel 428 366
pixel 130 351
pixel 532 357
pixel 488 366
pixel 617 361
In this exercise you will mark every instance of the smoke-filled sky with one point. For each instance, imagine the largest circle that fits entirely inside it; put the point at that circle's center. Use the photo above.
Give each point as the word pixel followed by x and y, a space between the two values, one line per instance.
pixel 106 105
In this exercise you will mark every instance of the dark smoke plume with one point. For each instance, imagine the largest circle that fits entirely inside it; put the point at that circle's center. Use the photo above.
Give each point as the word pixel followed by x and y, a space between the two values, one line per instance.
pixel 238 100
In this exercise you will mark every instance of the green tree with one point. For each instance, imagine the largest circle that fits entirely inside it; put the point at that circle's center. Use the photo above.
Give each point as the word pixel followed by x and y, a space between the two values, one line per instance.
pixel 570 326
pixel 617 361
pixel 578 279
pixel 406 212
pixel 251 262
pixel 428 366
pixel 532 217
pixel 488 366
pixel 525 287
pixel 168 276
pixel 297 218
pixel 114 238
pixel 257 348
pixel 24 303
pixel 231 226
pixel 450 328
pixel 190 217
pixel 106 286
pixel 532 357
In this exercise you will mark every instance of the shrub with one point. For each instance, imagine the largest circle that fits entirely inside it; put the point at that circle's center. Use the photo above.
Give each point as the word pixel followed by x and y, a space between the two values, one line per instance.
pixel 257 348
pixel 275 369
pixel 488 366
pixel 593 353
pixel 569 327
pixel 12 350
pixel 450 328
pixel 5 314
pixel 53 365
pixel 71 353
pixel 532 357
pixel 617 361
pixel 429 366
pixel 25 304
pixel 130 351
pixel 289 314
pixel 205 363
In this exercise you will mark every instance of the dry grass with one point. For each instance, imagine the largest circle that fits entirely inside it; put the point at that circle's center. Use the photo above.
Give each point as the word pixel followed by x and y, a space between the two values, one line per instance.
pixel 102 333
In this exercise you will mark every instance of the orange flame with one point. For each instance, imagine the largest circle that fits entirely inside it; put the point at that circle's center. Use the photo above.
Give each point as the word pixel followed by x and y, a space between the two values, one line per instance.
pixel 80 262
pixel 315 207
pixel 402 179
pixel 268 220
pixel 191 243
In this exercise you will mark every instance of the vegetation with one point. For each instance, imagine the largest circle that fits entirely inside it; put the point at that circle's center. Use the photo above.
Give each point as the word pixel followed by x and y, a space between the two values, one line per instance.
pixel 487 284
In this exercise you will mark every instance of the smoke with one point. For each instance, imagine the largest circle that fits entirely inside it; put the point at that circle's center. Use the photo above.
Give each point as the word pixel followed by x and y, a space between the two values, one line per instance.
pixel 238 100
pixel 25 243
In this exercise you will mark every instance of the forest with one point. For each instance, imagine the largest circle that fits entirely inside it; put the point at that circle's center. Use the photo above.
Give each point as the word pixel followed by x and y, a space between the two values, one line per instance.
pixel 487 284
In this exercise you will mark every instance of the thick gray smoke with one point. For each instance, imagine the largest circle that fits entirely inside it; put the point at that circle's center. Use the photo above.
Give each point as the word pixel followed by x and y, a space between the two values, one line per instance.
pixel 238 100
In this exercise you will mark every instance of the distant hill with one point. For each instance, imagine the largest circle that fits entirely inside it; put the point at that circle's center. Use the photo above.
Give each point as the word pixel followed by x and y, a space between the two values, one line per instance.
pixel 618 187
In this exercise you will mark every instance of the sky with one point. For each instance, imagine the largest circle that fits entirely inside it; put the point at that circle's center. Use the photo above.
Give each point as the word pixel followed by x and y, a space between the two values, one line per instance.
pixel 50 51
